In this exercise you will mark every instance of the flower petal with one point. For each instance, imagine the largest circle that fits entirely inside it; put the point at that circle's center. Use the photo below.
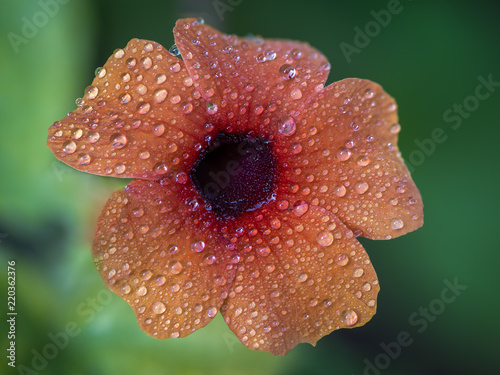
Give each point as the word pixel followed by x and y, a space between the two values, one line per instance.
pixel 346 160
pixel 136 119
pixel 253 82
pixel 300 278
pixel 149 251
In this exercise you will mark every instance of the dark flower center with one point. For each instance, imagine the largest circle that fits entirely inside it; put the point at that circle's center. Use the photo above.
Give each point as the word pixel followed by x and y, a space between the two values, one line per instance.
pixel 235 174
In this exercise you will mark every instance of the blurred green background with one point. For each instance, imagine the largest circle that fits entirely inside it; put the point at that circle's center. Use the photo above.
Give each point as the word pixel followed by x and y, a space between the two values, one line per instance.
pixel 430 56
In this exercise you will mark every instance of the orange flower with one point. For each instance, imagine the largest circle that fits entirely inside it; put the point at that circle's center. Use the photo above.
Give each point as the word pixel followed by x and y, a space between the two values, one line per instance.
pixel 252 182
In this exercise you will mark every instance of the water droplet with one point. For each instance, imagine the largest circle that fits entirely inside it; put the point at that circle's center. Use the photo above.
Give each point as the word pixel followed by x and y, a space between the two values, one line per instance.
pixel 324 238
pixel 142 89
pixel 395 129
pixel 212 311
pixel 146 62
pixel 364 161
pixel 341 259
pixel 158 130
pixel 118 140
pixel 296 54
pixel 160 95
pixel 187 108
pixel 120 168
pixel 100 72
pixel 369 94
pixel 198 246
pixel 174 50
pixel 158 308
pixel 300 208
pixel 119 53
pixel 397 223
pixel 358 272
pixel 175 267
pixel 343 154
pixel 349 317
pixel 143 108
pixel 287 71
pixel 264 251
pixel 131 62
pixel 69 147
pixel 125 98
pixel 270 268
pixel 94 137
pixel 144 155
pixel 77 133
pixel 392 107
pixel 287 126
pixel 142 291
pixel 92 92
pixel 361 187
pixel 211 108
pixel 296 94
pixel 303 277
pixel 340 191
pixel 84 159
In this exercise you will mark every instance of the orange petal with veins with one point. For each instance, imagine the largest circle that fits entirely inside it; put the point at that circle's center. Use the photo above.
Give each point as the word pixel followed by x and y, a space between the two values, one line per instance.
pixel 137 119
pixel 150 251
pixel 253 82
pixel 349 161
pixel 299 279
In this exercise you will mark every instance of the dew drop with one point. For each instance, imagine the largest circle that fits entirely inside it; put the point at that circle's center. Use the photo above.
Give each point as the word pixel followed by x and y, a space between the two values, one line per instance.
pixel 343 154
pixel 324 238
pixel 296 94
pixel 125 98
pixel 300 208
pixel 146 62
pixel 287 126
pixel 100 72
pixel 119 53
pixel 341 259
pixel 349 317
pixel 158 308
pixel 160 95
pixel 143 108
pixel 364 161
pixel 174 50
pixel 303 277
pixel 118 140
pixel 369 93
pixel 361 187
pixel 120 168
pixel 358 272
pixel 198 246
pixel 395 129
pixel 296 53
pixel 92 92
pixel 175 267
pixel 142 291
pixel 287 71
pixel 397 223
pixel 158 130
pixel 84 159
pixel 212 311
pixel 69 147
pixel 144 155
pixel 340 191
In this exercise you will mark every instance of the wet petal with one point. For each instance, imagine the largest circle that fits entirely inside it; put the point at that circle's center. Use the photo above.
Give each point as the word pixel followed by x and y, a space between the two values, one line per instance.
pixel 345 158
pixel 136 119
pixel 300 278
pixel 252 82
pixel 150 251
